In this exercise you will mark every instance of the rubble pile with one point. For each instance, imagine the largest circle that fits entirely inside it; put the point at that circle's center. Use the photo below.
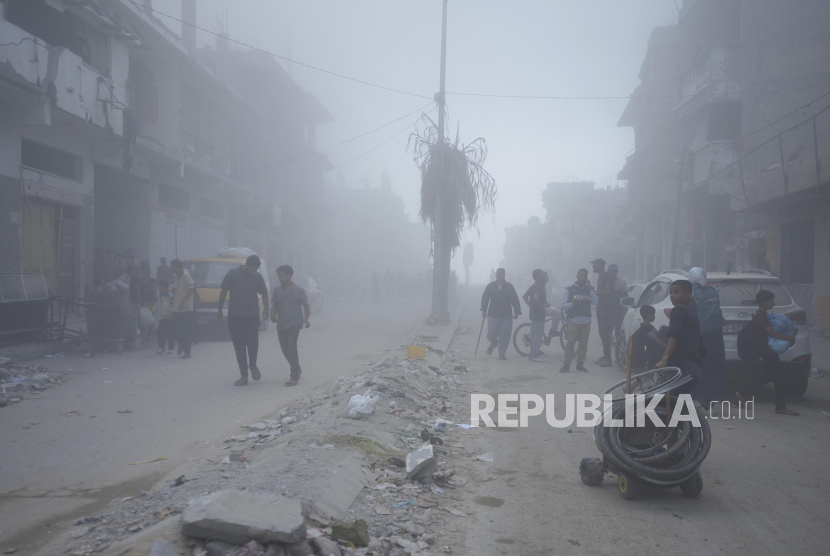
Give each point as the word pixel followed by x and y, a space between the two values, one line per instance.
pixel 381 480
pixel 19 382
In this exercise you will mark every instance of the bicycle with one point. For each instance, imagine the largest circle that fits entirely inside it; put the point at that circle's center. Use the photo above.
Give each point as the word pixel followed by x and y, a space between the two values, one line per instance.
pixel 521 336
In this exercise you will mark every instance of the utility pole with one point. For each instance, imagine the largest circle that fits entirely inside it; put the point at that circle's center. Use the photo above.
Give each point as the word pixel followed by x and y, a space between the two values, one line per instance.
pixel 441 270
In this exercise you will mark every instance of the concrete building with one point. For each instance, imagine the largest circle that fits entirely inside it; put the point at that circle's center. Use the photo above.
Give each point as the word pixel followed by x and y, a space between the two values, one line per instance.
pixel 117 133
pixel 750 143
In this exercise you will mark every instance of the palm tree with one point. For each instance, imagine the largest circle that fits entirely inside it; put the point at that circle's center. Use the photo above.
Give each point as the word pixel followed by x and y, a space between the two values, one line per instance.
pixel 455 188
pixel 468 262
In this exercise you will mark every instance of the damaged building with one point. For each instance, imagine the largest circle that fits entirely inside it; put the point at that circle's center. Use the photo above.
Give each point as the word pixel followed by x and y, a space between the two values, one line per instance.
pixel 116 133
pixel 732 144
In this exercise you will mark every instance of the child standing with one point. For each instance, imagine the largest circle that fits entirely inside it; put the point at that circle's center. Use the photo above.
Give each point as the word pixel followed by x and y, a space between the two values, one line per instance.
pixel 684 347
pixel 772 363
pixel 647 347
pixel 164 334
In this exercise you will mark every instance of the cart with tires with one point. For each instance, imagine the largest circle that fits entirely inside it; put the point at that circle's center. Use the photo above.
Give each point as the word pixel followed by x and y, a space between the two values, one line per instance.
pixel 650 455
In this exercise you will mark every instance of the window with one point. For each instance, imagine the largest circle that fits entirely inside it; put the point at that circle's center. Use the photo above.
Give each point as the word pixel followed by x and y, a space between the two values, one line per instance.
pixel 209 273
pixel 174 197
pixel 741 293
pixel 654 293
pixel 211 209
pixel 51 160
pixel 725 121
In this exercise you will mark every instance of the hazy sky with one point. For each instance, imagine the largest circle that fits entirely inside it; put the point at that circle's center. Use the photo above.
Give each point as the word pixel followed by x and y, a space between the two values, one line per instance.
pixel 522 47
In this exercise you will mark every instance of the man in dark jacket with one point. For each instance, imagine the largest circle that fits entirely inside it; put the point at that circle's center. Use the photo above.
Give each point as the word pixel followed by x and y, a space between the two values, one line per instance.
pixel 499 298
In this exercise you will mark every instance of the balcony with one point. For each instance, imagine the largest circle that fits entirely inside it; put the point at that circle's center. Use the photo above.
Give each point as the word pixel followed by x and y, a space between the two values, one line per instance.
pixel 708 79
pixel 24 58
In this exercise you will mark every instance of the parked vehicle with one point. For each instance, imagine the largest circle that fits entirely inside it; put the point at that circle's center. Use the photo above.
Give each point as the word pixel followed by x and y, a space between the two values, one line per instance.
pixel 207 274
pixel 737 298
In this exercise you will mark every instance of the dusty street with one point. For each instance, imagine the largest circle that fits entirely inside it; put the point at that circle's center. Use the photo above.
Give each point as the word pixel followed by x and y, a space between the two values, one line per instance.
pixel 764 480
pixel 55 465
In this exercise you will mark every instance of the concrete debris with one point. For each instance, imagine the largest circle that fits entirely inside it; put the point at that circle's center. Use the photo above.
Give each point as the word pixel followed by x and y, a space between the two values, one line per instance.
pixel 19 381
pixel 441 425
pixel 326 547
pixel 355 532
pixel 163 548
pixel 414 529
pixel 236 517
pixel 421 463
pixel 219 548
pixel 485 457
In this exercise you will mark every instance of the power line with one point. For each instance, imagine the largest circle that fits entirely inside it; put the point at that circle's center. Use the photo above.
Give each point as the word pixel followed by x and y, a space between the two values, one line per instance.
pixel 382 144
pixel 340 75
pixel 240 172
pixel 485 95
pixel 617 97
pixel 787 115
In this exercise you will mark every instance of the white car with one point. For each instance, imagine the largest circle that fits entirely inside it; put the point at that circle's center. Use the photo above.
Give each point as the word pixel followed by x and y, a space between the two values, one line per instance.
pixel 737 298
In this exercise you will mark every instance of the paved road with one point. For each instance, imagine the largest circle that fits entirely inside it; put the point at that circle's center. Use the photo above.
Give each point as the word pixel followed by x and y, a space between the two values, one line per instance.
pixel 765 489
pixel 70 465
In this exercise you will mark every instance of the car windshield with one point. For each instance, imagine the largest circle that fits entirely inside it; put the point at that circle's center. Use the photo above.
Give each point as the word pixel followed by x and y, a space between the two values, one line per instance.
pixel 654 294
pixel 208 273
pixel 742 293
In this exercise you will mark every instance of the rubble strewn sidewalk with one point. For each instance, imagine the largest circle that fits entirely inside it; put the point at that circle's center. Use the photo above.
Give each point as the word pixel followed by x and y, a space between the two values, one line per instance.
pixel 387 482
pixel 19 381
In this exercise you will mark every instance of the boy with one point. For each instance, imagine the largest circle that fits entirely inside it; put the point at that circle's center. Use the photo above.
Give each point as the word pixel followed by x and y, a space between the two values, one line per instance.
pixel 536 298
pixel 773 369
pixel 577 306
pixel 683 350
pixel 164 331
pixel 648 347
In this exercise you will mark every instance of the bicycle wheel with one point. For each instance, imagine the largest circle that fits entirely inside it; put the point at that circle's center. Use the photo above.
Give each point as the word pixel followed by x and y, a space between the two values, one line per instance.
pixel 521 339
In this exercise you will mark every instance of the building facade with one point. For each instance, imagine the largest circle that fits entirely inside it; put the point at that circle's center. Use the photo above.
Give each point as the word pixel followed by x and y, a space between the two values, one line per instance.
pixel 740 177
pixel 116 133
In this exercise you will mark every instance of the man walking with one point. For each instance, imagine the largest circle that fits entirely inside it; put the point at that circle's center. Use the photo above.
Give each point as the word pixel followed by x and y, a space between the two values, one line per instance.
pixel 184 317
pixel 496 303
pixel 536 298
pixel 290 310
pixel 244 284
pixel 619 289
pixel 164 272
pixel 606 314
pixel 577 306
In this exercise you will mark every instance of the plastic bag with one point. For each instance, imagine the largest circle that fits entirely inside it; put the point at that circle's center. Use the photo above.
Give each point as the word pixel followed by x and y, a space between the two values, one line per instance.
pixel 783 325
pixel 235 253
pixel 145 319
pixel 361 405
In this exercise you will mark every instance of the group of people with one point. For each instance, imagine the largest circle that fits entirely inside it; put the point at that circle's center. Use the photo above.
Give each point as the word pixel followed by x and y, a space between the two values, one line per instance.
pixel 290 311
pixel 693 340
pixel 399 285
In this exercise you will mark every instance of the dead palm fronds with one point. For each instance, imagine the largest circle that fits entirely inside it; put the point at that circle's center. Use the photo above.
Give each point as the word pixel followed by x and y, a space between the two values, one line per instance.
pixel 455 172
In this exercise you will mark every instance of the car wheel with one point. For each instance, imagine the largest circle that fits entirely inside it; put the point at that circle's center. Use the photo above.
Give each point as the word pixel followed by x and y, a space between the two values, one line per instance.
pixel 797 385
pixel 621 352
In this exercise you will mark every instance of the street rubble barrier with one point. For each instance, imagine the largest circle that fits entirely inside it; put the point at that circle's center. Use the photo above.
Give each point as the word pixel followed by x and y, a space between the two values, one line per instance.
pixel 233 506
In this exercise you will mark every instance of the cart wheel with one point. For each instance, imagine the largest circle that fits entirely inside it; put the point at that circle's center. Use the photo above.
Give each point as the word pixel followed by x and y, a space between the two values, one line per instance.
pixel 591 470
pixel 693 487
pixel 629 486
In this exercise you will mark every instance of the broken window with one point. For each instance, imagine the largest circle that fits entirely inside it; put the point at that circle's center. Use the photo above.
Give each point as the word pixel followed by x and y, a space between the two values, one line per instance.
pixel 51 160
pixel 174 197
pixel 725 121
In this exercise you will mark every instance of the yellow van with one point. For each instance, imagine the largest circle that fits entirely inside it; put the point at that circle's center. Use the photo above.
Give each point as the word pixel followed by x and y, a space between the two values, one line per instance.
pixel 207 274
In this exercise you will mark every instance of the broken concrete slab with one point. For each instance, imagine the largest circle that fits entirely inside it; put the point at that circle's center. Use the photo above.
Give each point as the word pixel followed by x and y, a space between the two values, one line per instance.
pixel 421 463
pixel 344 487
pixel 237 517
pixel 163 548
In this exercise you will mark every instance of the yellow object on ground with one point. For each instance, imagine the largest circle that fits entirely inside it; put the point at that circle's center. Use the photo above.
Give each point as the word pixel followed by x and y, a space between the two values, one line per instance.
pixel 416 352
